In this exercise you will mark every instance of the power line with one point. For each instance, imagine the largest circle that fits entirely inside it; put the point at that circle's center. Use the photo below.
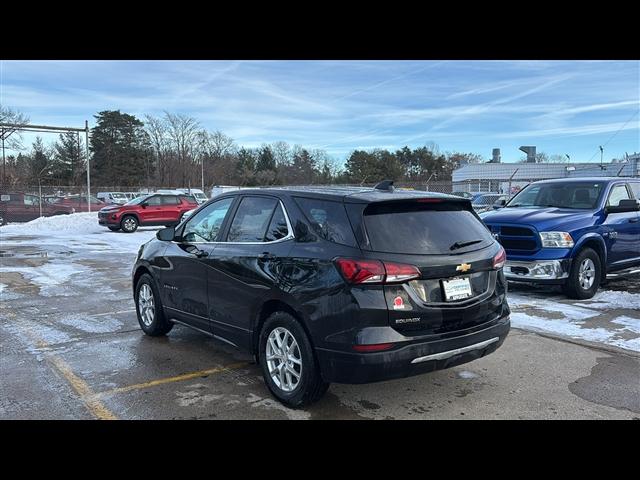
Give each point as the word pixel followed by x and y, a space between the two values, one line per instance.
pixel 613 136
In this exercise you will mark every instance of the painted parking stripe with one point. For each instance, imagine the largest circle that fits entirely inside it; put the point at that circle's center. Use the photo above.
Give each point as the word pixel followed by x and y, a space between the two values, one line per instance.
pixel 177 378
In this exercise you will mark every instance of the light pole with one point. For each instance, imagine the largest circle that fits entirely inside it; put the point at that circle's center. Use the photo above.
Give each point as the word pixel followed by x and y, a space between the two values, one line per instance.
pixel 40 187
pixel 601 155
pixel 86 146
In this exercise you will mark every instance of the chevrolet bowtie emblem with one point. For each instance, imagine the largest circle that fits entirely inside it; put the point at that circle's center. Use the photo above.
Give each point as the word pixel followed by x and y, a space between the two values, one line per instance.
pixel 463 268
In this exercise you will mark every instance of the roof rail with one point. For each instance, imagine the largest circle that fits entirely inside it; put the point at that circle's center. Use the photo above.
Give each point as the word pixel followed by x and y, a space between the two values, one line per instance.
pixel 385 185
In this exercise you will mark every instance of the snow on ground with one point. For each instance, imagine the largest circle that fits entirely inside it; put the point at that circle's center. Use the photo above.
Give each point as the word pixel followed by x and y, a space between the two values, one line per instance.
pixel 77 231
pixel 610 317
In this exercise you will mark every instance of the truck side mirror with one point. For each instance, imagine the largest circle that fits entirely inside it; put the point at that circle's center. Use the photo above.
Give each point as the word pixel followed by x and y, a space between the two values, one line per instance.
pixel 499 203
pixel 628 205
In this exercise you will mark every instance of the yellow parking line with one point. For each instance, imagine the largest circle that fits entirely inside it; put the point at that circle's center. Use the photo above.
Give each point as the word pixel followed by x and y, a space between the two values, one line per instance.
pixel 177 378
pixel 87 396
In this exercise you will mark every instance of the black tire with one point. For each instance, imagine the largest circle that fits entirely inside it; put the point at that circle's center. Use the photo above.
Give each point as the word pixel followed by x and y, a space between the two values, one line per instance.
pixel 114 229
pixel 310 387
pixel 160 325
pixel 573 287
pixel 2 219
pixel 129 224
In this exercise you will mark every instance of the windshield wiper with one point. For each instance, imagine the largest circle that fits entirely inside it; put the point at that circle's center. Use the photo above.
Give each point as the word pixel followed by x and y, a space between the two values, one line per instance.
pixel 458 245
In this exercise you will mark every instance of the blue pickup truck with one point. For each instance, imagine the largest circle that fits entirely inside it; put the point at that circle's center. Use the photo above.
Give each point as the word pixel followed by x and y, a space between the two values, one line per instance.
pixel 572 232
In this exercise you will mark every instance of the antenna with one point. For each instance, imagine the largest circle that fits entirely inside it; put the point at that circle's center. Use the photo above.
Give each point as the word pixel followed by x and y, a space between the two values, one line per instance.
pixel 386 185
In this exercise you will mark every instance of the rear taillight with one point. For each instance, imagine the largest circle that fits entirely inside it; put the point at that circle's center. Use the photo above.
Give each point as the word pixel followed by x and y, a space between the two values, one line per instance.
pixel 361 271
pixel 400 272
pixel 499 259
pixel 375 271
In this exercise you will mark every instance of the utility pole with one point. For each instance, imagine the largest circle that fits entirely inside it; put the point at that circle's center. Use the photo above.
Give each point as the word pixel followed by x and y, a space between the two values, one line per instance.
pixel 86 146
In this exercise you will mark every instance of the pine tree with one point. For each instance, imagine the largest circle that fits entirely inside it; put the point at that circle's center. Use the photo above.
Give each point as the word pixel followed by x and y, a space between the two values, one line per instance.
pixel 120 149
pixel 68 158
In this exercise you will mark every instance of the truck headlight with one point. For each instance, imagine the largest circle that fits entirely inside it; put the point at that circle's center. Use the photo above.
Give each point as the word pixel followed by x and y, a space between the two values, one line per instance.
pixel 556 240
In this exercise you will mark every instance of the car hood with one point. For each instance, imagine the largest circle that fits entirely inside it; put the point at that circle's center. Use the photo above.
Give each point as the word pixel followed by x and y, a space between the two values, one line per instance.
pixel 111 208
pixel 544 219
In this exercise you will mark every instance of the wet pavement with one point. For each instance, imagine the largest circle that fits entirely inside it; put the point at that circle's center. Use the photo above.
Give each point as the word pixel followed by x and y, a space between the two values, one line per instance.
pixel 71 348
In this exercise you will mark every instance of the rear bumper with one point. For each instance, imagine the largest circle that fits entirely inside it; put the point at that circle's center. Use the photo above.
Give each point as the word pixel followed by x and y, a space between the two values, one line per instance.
pixel 538 271
pixel 412 359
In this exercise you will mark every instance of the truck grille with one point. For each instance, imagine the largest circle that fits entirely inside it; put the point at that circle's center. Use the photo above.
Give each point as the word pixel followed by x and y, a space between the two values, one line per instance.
pixel 521 239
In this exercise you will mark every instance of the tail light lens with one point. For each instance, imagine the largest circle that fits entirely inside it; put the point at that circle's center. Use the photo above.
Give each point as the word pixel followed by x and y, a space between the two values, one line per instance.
pixel 499 259
pixel 375 271
pixel 400 272
pixel 361 271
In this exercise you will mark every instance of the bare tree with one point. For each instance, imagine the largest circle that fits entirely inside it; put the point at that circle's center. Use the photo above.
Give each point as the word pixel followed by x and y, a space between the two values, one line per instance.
pixel 158 133
pixel 10 135
pixel 183 132
pixel 282 153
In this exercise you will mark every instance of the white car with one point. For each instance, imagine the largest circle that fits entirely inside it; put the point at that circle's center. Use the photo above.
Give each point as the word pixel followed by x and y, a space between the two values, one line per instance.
pixel 197 193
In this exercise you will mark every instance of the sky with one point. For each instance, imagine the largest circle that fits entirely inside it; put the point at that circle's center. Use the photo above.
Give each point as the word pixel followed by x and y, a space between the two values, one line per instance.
pixel 561 107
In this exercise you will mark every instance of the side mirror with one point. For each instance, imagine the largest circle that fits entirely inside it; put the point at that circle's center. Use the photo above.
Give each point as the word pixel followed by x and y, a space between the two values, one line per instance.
pixel 166 234
pixel 624 206
pixel 144 204
pixel 499 203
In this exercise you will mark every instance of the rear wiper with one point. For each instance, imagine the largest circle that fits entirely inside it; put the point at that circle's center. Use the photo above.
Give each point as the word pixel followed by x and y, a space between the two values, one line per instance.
pixel 458 245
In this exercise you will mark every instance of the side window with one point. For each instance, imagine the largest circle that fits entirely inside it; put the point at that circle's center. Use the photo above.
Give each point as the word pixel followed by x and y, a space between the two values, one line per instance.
pixel 205 225
pixel 169 200
pixel 154 201
pixel 277 227
pixel 635 188
pixel 252 219
pixel 328 220
pixel 619 192
pixel 30 200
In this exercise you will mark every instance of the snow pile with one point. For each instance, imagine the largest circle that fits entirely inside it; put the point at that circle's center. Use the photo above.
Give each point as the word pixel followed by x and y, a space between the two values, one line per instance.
pixel 85 222
pixel 77 231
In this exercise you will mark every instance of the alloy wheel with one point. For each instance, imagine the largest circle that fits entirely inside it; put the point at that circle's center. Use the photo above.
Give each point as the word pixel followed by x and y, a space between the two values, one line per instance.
pixel 129 224
pixel 587 274
pixel 146 306
pixel 284 359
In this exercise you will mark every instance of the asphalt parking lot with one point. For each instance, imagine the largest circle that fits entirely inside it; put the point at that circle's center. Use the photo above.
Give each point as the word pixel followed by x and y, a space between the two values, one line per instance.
pixel 71 348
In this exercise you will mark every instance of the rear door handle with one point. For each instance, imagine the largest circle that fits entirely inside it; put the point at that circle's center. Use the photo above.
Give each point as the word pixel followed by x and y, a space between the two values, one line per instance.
pixel 634 220
pixel 266 256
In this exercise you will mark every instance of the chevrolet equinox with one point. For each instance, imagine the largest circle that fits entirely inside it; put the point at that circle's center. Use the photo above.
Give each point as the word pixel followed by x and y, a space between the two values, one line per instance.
pixel 326 284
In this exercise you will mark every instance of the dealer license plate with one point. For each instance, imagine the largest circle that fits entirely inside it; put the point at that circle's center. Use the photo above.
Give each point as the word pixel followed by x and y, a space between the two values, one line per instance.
pixel 457 289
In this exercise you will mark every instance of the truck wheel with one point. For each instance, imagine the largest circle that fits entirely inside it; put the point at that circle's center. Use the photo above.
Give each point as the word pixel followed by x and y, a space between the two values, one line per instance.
pixel 585 275
pixel 129 224
pixel 288 364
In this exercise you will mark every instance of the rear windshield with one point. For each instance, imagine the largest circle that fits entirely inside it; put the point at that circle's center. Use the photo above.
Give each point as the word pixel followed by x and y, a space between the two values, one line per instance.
pixel 424 229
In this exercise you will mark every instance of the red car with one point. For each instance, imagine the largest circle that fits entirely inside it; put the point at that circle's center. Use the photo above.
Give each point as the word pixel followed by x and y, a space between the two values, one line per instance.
pixel 23 207
pixel 79 202
pixel 149 210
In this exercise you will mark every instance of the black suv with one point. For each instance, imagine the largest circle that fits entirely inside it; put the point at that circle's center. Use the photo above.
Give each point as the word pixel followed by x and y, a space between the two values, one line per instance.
pixel 348 285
